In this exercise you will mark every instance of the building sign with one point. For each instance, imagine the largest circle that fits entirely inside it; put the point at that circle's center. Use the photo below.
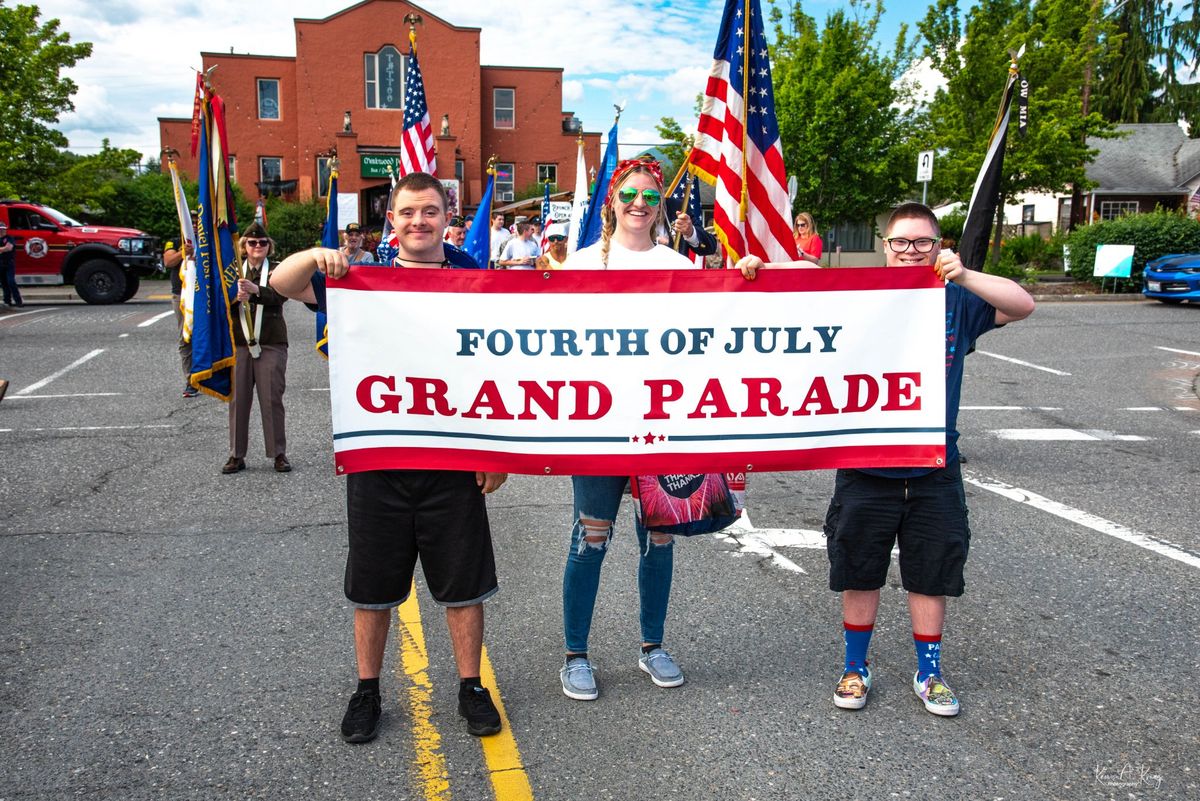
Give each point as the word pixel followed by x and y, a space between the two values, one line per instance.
pixel 377 166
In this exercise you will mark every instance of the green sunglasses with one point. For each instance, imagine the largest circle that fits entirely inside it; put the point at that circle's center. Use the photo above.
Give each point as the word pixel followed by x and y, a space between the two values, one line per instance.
pixel 652 196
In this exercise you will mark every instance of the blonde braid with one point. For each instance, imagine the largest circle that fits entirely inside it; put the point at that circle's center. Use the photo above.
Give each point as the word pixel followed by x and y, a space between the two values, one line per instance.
pixel 608 221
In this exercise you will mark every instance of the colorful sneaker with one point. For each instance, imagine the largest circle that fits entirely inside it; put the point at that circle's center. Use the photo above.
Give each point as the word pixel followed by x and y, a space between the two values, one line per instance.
pixel 936 695
pixel 662 668
pixel 361 723
pixel 852 688
pixel 579 679
pixel 475 704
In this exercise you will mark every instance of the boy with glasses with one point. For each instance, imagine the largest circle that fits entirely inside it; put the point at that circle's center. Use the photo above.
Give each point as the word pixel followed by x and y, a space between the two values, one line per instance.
pixel 921 509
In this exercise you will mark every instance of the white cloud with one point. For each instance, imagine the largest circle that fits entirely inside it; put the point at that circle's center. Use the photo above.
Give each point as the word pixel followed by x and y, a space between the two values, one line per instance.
pixel 651 53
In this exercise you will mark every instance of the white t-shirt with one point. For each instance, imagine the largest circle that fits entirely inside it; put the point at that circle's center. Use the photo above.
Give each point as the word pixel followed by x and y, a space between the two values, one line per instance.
pixel 660 257
pixel 498 240
pixel 518 248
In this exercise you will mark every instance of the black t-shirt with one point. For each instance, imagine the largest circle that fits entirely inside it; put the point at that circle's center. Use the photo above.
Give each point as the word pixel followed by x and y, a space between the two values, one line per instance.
pixel 8 258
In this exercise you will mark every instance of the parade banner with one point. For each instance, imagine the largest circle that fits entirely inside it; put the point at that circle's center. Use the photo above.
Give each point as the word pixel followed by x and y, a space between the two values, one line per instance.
pixel 636 372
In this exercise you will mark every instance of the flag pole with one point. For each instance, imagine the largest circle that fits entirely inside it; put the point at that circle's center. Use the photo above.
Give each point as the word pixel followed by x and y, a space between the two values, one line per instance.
pixel 745 95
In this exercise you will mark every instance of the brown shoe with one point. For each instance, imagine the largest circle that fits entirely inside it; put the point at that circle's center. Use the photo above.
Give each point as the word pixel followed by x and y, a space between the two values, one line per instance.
pixel 233 465
pixel 282 465
pixel 3 387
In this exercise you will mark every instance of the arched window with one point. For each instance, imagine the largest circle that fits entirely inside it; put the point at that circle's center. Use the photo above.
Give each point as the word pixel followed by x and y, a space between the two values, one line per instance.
pixel 383 74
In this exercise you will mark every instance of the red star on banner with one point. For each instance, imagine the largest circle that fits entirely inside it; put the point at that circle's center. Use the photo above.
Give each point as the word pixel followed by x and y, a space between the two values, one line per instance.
pixel 634 438
pixel 649 438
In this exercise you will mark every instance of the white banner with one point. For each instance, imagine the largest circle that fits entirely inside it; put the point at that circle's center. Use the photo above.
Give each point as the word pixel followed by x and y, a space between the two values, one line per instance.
pixel 637 372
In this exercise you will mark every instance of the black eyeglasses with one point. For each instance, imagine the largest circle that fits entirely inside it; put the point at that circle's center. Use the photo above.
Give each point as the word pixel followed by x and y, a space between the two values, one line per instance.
pixel 257 243
pixel 899 244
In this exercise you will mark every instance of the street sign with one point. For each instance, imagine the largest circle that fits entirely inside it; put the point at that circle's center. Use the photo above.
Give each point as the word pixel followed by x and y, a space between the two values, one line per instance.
pixel 925 166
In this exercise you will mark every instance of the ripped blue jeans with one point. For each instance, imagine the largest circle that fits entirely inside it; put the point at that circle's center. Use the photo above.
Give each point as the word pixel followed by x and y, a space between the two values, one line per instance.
pixel 597 500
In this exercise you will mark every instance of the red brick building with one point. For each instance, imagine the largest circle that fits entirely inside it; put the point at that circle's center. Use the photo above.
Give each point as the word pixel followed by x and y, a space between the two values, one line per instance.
pixel 344 90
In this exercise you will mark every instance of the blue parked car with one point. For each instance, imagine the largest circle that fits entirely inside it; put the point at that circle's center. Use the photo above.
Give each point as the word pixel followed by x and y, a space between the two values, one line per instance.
pixel 1172 279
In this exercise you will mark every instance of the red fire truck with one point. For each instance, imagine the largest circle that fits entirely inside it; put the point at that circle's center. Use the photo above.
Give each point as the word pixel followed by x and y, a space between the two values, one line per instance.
pixel 105 264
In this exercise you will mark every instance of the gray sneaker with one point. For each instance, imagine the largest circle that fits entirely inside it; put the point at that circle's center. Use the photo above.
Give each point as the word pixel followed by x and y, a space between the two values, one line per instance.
pixel 578 679
pixel 662 668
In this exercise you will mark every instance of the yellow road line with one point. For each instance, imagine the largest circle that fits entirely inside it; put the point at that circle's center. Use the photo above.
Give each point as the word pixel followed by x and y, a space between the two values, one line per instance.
pixel 509 780
pixel 431 763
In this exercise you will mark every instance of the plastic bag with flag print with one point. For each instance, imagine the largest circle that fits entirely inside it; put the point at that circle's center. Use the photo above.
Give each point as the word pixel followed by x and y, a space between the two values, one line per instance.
pixel 689 503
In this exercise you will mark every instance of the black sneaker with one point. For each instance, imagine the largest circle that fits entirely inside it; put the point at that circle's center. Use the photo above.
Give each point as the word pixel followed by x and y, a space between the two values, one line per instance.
pixel 475 704
pixel 361 723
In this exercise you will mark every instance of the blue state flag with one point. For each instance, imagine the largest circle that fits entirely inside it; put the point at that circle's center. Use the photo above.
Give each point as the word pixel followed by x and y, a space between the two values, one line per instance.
pixel 479 239
pixel 329 239
pixel 589 231
pixel 216 275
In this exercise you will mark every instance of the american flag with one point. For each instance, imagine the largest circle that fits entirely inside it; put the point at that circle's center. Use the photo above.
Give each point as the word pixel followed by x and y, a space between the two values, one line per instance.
pixel 691 207
pixel 417 140
pixel 737 147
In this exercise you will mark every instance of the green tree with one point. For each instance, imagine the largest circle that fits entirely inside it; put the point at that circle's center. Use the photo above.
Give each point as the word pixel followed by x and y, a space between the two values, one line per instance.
pixel 846 120
pixel 1139 64
pixel 973 58
pixel 85 186
pixel 32 95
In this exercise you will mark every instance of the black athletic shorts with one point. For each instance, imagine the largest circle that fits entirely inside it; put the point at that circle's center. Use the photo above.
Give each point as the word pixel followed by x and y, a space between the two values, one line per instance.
pixel 397 515
pixel 926 516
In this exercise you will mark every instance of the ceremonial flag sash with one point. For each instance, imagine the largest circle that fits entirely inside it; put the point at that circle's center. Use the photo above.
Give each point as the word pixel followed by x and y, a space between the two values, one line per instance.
pixel 626 372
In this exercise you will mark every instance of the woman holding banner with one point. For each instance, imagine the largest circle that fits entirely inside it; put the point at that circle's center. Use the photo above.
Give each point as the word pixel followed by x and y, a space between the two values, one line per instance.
pixel 632 212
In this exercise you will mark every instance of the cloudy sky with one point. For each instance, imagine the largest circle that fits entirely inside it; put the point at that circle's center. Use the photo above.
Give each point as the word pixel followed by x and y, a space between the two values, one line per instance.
pixel 652 55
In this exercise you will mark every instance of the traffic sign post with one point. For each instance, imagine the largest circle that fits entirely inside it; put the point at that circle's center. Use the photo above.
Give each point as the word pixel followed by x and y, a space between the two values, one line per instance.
pixel 925 172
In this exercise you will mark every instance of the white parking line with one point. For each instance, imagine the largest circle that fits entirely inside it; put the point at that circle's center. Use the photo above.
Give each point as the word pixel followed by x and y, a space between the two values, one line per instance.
pixel 155 319
pixel 74 395
pixel 22 314
pixel 86 428
pixel 1177 350
pixel 1063 435
pixel 1022 363
pixel 1085 519
pixel 1010 408
pixel 60 373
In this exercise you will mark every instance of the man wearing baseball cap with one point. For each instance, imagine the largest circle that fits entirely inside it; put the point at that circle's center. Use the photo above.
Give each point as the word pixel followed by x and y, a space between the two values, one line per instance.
pixel 353 247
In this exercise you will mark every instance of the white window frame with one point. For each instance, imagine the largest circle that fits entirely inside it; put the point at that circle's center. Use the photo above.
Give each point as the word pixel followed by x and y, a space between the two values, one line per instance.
pixel 374 87
pixel 231 167
pixel 259 84
pixel 511 107
pixel 506 188
pixel 323 170
pixel 262 163
pixel 1112 209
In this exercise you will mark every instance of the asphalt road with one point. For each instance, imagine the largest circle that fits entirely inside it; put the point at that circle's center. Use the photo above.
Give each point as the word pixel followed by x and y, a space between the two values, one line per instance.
pixel 170 632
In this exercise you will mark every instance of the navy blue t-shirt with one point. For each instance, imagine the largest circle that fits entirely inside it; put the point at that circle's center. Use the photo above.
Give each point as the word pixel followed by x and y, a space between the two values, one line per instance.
pixel 967 317
pixel 455 256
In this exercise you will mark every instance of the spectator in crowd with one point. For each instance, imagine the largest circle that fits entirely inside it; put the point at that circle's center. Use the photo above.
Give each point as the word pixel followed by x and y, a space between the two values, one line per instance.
pixel 499 238
pixel 8 268
pixel 521 251
pixel 556 249
pixel 353 248
pixel 808 241
pixel 456 231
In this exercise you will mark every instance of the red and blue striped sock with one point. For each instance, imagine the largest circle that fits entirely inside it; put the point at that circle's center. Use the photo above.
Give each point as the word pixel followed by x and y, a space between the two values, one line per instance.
pixel 858 638
pixel 929 655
